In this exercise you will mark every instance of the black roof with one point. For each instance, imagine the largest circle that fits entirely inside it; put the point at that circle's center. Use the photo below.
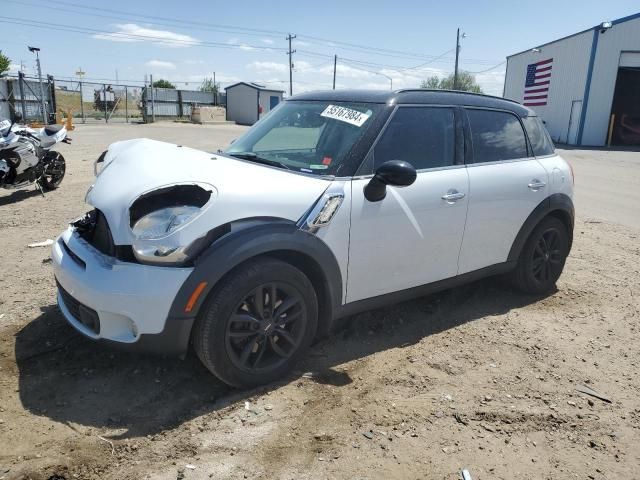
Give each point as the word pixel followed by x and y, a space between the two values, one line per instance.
pixel 415 96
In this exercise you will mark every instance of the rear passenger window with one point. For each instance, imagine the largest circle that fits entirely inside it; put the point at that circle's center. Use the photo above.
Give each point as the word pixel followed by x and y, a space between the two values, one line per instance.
pixel 496 136
pixel 538 136
pixel 422 136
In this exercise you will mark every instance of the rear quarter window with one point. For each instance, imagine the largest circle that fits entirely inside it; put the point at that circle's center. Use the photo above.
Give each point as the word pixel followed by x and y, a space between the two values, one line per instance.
pixel 538 136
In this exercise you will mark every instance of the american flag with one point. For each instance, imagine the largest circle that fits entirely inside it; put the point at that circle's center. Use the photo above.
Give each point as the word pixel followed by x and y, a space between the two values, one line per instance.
pixel 536 86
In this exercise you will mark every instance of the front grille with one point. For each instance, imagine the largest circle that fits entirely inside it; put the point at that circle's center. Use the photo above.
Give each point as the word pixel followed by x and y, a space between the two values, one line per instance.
pixel 83 314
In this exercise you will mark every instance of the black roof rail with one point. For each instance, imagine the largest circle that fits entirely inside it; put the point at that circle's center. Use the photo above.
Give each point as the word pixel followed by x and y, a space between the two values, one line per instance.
pixel 435 90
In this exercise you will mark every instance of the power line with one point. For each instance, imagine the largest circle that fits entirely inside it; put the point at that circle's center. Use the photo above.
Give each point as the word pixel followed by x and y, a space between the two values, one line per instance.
pixel 173 22
pixel 489 69
pixel 130 36
pixel 231 29
pixel 187 22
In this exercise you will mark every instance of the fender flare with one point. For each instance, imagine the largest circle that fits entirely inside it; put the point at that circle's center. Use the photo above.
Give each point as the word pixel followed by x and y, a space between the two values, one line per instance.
pixel 250 238
pixel 558 204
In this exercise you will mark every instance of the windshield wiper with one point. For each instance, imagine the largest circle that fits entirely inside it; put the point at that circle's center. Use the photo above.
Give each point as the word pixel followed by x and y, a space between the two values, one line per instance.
pixel 255 158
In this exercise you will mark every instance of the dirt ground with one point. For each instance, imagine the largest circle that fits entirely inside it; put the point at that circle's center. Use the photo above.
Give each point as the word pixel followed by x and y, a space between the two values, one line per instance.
pixel 478 377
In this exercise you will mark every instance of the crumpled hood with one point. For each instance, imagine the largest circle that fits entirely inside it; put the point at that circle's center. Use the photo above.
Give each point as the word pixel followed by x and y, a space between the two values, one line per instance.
pixel 239 189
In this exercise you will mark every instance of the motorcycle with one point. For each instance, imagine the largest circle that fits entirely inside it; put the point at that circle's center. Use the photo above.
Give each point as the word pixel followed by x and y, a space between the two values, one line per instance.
pixel 26 155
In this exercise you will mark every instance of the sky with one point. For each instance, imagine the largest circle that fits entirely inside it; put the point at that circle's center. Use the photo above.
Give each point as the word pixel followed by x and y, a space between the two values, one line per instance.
pixel 378 44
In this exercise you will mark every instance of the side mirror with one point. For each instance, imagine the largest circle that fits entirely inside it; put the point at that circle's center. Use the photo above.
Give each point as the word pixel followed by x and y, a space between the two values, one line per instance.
pixel 395 173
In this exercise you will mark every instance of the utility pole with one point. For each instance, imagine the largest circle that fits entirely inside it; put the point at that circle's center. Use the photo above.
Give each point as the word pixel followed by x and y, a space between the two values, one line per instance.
pixel 455 72
pixel 290 53
pixel 215 90
pixel 153 100
pixel 42 101
pixel 80 73
pixel 335 63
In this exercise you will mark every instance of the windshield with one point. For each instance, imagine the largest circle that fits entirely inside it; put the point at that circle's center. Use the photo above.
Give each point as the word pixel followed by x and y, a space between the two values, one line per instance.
pixel 310 137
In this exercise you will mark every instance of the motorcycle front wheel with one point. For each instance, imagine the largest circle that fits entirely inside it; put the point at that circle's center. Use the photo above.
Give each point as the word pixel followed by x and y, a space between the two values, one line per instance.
pixel 54 170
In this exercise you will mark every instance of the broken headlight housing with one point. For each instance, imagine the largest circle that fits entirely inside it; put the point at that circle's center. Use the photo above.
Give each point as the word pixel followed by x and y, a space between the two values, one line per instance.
pixel 156 220
pixel 163 222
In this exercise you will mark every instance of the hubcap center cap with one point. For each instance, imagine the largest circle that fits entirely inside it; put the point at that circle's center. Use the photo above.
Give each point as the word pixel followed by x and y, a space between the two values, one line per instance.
pixel 268 328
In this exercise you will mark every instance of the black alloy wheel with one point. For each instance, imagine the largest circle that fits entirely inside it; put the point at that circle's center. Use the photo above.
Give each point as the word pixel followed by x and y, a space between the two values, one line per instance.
pixel 256 323
pixel 266 327
pixel 542 258
pixel 548 260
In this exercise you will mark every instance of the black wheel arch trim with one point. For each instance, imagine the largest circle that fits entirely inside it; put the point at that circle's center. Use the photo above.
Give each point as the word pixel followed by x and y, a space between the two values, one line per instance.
pixel 558 203
pixel 253 237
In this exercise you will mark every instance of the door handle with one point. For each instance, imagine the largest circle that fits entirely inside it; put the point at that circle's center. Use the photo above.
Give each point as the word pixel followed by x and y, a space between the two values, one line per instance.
pixel 453 196
pixel 536 184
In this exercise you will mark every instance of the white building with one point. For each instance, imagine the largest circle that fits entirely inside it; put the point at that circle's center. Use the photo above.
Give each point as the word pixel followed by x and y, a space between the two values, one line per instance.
pixel 248 102
pixel 586 87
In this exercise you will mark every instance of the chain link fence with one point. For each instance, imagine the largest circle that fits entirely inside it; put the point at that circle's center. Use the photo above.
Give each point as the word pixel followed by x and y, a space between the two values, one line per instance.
pixel 23 95
pixel 162 103
pixel 91 102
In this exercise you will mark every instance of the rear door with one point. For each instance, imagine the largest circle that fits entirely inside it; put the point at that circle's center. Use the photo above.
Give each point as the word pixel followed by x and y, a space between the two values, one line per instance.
pixel 413 236
pixel 506 183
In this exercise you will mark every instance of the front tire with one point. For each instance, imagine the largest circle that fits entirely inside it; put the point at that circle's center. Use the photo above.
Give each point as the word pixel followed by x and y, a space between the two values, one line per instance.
pixel 543 257
pixel 257 324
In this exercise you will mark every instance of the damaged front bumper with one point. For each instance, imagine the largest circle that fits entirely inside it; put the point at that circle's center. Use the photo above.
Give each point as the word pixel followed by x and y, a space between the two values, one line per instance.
pixel 119 302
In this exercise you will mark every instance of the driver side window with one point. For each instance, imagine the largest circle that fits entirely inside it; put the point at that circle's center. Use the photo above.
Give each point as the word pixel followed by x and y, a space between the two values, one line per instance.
pixel 422 136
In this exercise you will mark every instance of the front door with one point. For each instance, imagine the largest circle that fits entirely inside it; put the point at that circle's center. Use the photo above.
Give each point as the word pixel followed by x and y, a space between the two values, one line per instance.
pixel 412 237
pixel 506 184
pixel 273 101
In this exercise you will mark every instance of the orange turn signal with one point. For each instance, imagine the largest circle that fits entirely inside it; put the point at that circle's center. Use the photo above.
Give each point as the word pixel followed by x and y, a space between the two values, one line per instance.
pixel 194 296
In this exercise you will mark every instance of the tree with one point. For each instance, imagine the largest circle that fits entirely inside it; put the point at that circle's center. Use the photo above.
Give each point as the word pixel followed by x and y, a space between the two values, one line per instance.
pixel 163 84
pixel 208 85
pixel 5 64
pixel 466 83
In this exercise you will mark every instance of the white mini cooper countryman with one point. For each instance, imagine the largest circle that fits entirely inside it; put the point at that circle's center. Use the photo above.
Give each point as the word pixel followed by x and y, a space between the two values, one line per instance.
pixel 334 203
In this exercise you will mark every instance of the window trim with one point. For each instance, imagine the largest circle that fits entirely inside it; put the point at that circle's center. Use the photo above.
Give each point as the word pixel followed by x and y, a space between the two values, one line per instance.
pixel 469 159
pixel 458 142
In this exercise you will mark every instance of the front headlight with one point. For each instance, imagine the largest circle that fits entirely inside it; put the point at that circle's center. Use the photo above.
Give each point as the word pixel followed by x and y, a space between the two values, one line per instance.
pixel 161 223
pixel 154 243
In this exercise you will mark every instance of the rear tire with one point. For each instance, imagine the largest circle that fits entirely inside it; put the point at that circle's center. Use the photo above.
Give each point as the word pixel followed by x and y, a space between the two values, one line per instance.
pixel 257 324
pixel 543 257
pixel 54 171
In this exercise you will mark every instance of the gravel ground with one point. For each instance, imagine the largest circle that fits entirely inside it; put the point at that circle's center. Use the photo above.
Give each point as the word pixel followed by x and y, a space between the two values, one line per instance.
pixel 477 377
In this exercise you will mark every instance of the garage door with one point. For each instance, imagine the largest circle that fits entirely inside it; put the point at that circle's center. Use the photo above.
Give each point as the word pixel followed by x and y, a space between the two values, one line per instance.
pixel 625 110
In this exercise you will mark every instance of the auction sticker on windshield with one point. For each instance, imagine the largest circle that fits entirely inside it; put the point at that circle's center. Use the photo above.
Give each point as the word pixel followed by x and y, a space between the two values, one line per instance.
pixel 344 114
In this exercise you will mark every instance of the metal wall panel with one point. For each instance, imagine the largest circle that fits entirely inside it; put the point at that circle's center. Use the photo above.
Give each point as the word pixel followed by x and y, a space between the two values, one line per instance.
pixel 163 109
pixel 5 111
pixel 568 79
pixel 165 95
pixel 193 96
pixel 167 101
pixel 242 104
pixel 621 37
